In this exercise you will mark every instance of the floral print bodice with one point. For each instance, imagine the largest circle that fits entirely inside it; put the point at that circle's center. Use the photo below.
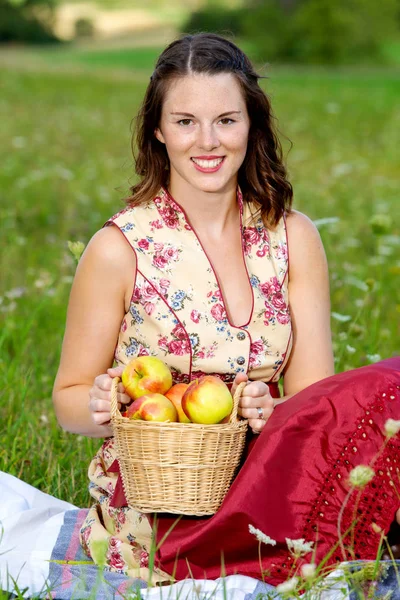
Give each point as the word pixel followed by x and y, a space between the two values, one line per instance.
pixel 177 310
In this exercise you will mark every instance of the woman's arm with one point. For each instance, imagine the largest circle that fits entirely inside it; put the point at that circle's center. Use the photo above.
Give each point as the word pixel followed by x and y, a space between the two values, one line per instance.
pixel 99 299
pixel 311 358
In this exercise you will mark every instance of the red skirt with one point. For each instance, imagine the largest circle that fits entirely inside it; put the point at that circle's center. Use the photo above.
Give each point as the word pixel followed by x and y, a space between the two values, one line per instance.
pixel 294 482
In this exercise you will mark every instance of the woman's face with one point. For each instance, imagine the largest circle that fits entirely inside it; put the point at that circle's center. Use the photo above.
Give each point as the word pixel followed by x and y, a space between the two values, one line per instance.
pixel 205 128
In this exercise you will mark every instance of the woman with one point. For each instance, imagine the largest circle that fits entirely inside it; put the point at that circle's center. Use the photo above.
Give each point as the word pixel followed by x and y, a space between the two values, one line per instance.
pixel 201 277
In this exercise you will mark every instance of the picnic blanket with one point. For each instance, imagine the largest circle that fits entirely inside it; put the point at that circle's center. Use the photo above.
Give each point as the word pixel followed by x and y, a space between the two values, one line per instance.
pixel 40 555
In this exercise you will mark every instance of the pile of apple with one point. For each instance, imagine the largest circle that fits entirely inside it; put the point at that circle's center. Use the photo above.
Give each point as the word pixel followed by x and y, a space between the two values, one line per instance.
pixel 148 381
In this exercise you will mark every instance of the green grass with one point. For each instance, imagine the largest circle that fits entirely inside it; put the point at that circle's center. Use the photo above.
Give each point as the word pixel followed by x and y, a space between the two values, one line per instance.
pixel 65 165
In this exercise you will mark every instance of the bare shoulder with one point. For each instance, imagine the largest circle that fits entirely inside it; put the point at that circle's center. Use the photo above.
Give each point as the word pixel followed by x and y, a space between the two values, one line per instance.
pixel 299 226
pixel 109 251
pixel 108 263
pixel 306 250
pixel 110 246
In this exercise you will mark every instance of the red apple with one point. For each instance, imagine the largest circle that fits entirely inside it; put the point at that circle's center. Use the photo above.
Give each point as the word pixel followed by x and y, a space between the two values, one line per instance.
pixel 145 374
pixel 152 407
pixel 207 400
pixel 175 394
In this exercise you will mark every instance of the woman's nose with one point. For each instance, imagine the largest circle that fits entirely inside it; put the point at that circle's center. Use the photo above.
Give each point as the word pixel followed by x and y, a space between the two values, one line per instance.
pixel 208 138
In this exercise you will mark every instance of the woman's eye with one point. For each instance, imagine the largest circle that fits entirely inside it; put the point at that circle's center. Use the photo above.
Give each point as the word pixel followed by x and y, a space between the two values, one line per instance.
pixel 185 122
pixel 226 121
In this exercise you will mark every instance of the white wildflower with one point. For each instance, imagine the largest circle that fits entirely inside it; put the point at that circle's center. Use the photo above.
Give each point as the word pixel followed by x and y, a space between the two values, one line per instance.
pixel 341 169
pixel 44 419
pixel 287 586
pixel 265 539
pixel 19 142
pixel 391 427
pixel 8 307
pixel 15 293
pixel 308 571
pixel 341 318
pixel 361 475
pixel 372 358
pixel 326 221
pixel 299 547
pixel 350 349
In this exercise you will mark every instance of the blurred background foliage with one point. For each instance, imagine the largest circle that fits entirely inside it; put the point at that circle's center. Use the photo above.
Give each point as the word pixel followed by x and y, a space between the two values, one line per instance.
pixel 27 21
pixel 285 31
pixel 312 31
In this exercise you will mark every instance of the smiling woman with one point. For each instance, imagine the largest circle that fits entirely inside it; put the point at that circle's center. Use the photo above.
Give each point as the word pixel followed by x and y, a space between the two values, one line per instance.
pixel 207 140
pixel 196 270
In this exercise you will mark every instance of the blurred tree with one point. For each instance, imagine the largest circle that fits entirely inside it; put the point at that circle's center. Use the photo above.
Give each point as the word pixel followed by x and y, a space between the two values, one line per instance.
pixel 27 21
pixel 321 31
pixel 215 17
pixel 345 31
pixel 84 28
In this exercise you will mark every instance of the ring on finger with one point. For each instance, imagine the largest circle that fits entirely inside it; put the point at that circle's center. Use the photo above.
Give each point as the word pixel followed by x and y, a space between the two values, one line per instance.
pixel 260 413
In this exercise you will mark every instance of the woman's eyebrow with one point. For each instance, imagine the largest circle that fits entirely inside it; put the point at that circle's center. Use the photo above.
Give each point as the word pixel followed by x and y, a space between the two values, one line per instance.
pixel 230 112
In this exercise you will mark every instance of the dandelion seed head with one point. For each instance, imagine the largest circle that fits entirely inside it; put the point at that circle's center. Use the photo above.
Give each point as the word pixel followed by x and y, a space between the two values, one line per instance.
pixel 360 476
pixel 262 537
pixel 391 427
pixel 308 571
pixel 287 586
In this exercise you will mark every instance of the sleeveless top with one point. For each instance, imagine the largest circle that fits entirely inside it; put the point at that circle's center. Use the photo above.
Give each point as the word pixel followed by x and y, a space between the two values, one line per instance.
pixel 177 309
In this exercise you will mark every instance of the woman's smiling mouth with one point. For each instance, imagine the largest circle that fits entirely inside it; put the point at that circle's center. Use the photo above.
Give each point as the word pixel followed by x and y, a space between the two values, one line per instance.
pixel 208 164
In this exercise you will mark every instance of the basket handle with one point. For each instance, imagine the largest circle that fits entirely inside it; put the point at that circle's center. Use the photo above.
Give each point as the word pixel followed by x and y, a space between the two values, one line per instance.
pixel 236 397
pixel 115 414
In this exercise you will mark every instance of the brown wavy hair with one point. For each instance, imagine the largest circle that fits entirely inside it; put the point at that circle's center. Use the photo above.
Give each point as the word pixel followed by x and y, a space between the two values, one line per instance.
pixel 262 177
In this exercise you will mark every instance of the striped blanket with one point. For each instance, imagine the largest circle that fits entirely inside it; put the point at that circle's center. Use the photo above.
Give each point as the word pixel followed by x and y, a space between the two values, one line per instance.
pixel 72 575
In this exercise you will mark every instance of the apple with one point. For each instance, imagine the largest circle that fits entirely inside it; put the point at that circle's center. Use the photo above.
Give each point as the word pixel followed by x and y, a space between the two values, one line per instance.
pixel 175 394
pixel 152 407
pixel 145 374
pixel 207 400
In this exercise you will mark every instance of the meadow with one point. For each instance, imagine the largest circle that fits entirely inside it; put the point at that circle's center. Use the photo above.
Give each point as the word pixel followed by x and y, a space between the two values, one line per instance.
pixel 66 166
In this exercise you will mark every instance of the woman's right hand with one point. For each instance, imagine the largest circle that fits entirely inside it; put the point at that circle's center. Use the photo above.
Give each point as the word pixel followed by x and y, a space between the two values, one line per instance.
pixel 100 396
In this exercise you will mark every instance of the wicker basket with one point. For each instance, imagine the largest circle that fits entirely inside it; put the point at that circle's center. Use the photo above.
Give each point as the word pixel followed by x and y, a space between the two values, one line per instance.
pixel 182 468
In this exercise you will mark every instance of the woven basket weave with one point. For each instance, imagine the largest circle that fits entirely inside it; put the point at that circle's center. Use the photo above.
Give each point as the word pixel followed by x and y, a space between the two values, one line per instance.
pixel 182 468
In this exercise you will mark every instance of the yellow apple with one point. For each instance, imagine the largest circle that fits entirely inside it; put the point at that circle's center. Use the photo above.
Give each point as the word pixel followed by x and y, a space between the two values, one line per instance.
pixel 145 374
pixel 152 407
pixel 175 394
pixel 207 400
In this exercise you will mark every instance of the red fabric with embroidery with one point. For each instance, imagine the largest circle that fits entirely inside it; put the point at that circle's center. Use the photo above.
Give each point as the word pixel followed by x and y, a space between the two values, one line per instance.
pixel 294 482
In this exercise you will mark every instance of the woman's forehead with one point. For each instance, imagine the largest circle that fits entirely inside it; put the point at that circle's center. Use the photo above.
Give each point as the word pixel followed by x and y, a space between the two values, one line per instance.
pixel 199 90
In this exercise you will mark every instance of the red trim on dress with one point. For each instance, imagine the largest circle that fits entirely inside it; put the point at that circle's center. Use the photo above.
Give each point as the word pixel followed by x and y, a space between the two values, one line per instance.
pixel 210 263
pixel 287 250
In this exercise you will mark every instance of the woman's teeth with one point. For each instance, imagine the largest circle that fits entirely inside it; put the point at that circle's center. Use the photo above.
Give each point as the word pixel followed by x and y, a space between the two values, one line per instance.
pixel 207 164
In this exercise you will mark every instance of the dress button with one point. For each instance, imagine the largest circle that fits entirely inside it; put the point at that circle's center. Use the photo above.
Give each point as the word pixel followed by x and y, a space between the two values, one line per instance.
pixel 241 335
pixel 240 360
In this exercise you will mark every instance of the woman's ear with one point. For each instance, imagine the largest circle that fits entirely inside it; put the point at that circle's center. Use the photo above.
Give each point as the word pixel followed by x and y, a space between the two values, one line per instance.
pixel 159 135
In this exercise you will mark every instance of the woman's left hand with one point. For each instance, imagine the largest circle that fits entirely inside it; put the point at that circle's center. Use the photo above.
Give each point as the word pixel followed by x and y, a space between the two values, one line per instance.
pixel 256 403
